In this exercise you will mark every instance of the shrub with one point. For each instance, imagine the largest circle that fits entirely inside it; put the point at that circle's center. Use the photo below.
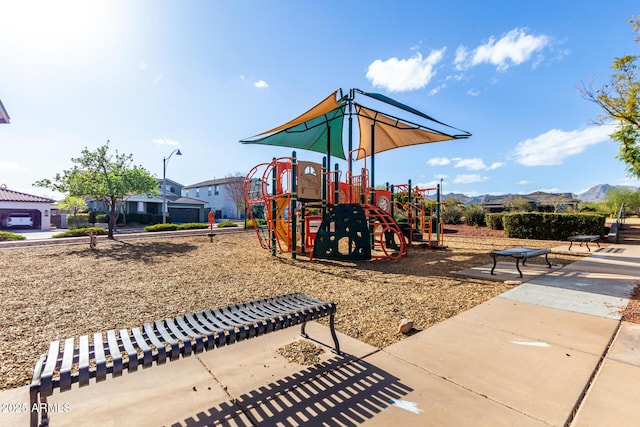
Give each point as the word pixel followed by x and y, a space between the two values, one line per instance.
pixel 6 235
pixel 259 221
pixel 474 215
pixel 451 214
pixel 494 221
pixel 80 232
pixel 192 226
pixel 551 226
pixel 161 227
pixel 226 224
pixel 80 220
pixel 102 217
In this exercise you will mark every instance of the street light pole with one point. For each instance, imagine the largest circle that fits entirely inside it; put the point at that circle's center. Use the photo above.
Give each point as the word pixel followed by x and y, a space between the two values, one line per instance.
pixel 165 160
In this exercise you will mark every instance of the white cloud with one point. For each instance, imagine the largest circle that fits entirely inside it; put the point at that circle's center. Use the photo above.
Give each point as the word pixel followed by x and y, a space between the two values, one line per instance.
pixel 157 79
pixel 10 167
pixel 438 161
pixel 242 77
pixel 474 164
pixel 142 66
pixel 401 75
pixel 261 84
pixel 166 141
pixel 473 92
pixel 523 182
pixel 552 147
pixel 441 176
pixel 437 89
pixel 469 178
pixel 514 48
pixel 495 165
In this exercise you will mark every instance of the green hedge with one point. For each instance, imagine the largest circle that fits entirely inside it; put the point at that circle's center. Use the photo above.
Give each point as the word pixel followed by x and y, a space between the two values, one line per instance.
pixel 161 227
pixel 226 224
pixel 494 221
pixel 6 235
pixel 192 226
pixel 551 226
pixel 80 232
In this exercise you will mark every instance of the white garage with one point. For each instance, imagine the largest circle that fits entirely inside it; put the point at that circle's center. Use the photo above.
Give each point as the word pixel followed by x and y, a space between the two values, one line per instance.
pixel 20 211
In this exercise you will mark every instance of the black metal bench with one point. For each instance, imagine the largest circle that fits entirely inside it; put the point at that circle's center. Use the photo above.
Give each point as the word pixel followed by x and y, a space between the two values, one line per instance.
pixel 520 254
pixel 584 239
pixel 78 360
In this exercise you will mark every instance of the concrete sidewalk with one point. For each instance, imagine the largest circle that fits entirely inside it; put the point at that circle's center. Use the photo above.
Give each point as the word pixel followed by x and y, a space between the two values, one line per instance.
pixel 551 351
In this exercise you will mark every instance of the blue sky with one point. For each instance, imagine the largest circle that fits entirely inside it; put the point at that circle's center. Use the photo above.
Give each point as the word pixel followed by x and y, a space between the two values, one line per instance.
pixel 153 76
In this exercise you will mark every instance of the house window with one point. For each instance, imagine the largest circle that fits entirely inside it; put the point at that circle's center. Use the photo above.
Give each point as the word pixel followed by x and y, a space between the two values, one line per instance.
pixel 209 191
pixel 216 189
pixel 186 193
pixel 197 192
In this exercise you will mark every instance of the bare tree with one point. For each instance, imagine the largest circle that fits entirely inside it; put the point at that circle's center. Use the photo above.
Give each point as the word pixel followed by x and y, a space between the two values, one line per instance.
pixel 234 186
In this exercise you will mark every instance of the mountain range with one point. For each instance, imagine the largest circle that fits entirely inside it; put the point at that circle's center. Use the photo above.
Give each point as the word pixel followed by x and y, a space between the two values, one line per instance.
pixel 597 193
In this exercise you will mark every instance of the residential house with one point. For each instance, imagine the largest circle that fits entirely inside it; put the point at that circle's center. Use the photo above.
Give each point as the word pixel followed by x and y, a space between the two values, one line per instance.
pixel 36 207
pixel 180 209
pixel 220 195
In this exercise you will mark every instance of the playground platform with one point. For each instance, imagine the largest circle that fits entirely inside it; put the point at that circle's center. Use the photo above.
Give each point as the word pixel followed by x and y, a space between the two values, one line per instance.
pixel 549 352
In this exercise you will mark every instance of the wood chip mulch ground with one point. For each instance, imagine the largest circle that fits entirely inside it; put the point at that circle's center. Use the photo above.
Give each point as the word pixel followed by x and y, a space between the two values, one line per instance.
pixel 55 292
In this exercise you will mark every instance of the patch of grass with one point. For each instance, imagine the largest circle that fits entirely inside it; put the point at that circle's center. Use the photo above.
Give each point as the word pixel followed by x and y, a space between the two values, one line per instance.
pixel 81 232
pixel 6 236
pixel 161 227
pixel 226 224
pixel 193 226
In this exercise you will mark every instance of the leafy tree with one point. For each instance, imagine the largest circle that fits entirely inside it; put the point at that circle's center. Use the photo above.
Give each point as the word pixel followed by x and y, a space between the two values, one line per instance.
pixel 73 204
pixel 620 101
pixel 517 204
pixel 616 196
pixel 102 176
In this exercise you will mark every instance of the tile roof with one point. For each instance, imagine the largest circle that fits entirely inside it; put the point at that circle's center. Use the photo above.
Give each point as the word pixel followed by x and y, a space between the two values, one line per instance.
pixel 7 195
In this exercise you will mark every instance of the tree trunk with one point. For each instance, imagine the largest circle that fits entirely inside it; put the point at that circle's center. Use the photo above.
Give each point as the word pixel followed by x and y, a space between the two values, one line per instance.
pixel 112 218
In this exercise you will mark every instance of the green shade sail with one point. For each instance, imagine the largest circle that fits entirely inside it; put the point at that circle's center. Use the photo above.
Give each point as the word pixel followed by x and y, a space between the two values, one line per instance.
pixel 320 128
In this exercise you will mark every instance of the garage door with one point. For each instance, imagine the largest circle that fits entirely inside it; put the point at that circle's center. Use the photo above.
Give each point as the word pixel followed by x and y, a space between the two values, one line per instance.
pixel 179 216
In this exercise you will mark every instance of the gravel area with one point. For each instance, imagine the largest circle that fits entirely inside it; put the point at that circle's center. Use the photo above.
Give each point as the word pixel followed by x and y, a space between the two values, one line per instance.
pixel 55 292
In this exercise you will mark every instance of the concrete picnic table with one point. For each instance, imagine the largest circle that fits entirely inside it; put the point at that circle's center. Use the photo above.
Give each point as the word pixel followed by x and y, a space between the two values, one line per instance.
pixel 520 254
pixel 584 238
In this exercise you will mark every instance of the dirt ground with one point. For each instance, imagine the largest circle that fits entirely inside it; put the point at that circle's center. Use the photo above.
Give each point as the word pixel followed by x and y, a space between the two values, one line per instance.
pixel 55 292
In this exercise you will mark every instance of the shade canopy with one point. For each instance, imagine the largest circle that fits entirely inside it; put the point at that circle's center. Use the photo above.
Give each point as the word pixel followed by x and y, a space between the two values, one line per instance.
pixel 320 128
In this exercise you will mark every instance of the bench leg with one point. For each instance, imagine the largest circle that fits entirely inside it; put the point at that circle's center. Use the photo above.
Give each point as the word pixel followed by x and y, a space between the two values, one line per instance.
pixel 518 265
pixel 494 265
pixel 333 333
pixel 589 249
pixel 546 258
pixel 570 244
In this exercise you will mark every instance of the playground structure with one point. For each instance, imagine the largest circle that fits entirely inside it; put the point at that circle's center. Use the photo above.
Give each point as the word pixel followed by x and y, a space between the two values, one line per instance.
pixel 298 201
pixel 301 207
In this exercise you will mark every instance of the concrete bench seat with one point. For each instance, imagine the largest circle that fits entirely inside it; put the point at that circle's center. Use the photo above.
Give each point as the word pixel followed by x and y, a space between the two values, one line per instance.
pixel 584 238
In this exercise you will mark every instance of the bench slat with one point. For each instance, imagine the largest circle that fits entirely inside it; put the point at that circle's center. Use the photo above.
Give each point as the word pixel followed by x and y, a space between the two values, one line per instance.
pixel 147 357
pixel 101 360
pixel 222 333
pixel 186 341
pixel 67 361
pixel 227 311
pixel 132 354
pixel 83 363
pixel 230 323
pixel 201 329
pixel 273 319
pixel 190 333
pixel 232 336
pixel 166 336
pixel 47 375
pixel 114 351
pixel 159 345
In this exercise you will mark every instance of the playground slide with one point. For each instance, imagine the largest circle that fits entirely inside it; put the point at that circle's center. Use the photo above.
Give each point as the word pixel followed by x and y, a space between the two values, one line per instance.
pixel 282 225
